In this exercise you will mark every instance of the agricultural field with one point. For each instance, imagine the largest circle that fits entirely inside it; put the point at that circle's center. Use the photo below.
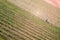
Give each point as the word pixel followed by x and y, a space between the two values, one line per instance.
pixel 41 9
pixel 19 24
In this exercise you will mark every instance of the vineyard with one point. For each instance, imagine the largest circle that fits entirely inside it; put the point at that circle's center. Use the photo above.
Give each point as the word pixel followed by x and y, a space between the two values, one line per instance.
pixel 18 24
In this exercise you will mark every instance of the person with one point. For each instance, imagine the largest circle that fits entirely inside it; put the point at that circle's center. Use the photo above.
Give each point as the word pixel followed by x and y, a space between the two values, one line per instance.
pixel 47 21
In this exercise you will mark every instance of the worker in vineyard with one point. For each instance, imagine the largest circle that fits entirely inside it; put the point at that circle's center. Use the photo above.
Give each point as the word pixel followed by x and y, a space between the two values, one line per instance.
pixel 47 20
